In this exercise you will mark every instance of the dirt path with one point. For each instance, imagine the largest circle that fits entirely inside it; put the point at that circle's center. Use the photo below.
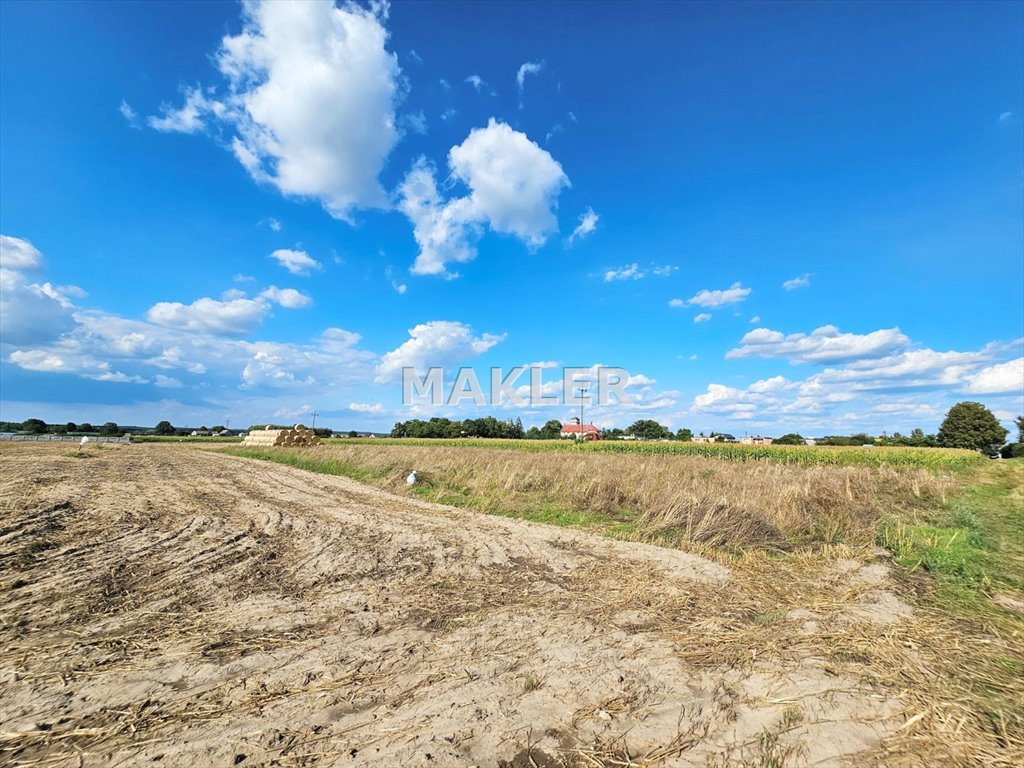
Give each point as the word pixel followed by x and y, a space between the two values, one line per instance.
pixel 171 606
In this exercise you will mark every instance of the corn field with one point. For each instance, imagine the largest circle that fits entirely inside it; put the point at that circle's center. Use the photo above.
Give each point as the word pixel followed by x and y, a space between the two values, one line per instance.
pixel 879 456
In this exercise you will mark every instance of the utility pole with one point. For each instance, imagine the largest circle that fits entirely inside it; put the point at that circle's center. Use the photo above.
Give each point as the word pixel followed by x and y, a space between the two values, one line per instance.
pixel 315 414
pixel 582 391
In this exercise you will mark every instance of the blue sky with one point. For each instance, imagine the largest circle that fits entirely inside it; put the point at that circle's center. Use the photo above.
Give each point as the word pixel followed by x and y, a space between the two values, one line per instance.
pixel 776 216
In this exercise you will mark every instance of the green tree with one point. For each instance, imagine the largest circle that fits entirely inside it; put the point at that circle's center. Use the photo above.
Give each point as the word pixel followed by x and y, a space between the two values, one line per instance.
pixel 353 433
pixel 648 429
pixel 109 429
pixel 684 435
pixel 971 425
pixel 552 430
pixel 533 434
pixel 218 428
pixel 85 426
pixel 1019 421
pixel 71 427
pixel 35 426
pixel 791 439
pixel 164 428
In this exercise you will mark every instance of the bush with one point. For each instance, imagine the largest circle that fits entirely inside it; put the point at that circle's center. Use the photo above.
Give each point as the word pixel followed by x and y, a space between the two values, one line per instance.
pixel 1012 451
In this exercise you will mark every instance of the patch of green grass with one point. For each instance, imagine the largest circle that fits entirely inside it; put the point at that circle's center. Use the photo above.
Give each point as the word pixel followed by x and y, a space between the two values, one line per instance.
pixel 973 547
pixel 532 683
pixel 299 460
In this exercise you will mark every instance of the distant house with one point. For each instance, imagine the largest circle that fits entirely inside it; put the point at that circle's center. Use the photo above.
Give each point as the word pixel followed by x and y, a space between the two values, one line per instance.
pixel 755 440
pixel 580 431
pixel 702 439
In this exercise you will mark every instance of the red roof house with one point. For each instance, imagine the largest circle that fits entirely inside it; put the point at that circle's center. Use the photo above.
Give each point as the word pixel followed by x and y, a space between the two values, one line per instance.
pixel 580 431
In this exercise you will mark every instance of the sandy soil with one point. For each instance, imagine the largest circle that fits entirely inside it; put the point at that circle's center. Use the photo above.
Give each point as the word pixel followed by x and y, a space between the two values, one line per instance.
pixel 169 606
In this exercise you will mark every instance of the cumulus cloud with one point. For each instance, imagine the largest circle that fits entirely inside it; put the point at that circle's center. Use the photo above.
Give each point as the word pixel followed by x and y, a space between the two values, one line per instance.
pixel 311 95
pixel 477 82
pixel 68 361
pixel 1005 377
pixel 366 407
pixel 288 298
pixel 513 188
pixel 823 345
pixel 30 313
pixel 167 382
pixel 703 317
pixel 676 303
pixel 802 281
pixel 234 315
pixel 628 272
pixel 437 343
pixel 587 224
pixel 18 254
pixel 190 117
pixel 297 262
pixel 734 294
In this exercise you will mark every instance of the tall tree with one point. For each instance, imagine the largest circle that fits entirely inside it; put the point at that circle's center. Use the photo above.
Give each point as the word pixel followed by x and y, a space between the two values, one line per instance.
pixel 35 426
pixel 791 439
pixel 164 428
pixel 551 430
pixel 971 425
pixel 648 429
pixel 109 429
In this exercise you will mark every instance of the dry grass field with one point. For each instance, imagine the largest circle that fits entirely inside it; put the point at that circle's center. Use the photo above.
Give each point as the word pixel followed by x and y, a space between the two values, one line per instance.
pixel 166 605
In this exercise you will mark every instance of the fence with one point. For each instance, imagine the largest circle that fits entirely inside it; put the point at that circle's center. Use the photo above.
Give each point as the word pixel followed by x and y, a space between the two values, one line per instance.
pixel 61 438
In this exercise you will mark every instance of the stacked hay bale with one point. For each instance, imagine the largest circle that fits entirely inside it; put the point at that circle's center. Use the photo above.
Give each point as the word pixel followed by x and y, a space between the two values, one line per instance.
pixel 296 437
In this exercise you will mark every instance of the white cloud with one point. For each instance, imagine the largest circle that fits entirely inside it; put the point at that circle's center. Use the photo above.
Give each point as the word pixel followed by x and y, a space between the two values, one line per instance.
pixel 477 82
pixel 1005 117
pixel 86 366
pixel 513 188
pixel 18 254
pixel 129 114
pixel 415 122
pixel 236 316
pixel 293 413
pixel 274 224
pixel 755 319
pixel 288 298
pixel 366 407
pixel 448 114
pixel 167 382
pixel 628 272
pixel 802 281
pixel 30 313
pixel 714 299
pixel 298 74
pixel 1004 377
pixel 189 117
pixel 676 303
pixel 529 68
pixel 703 317
pixel 296 262
pixel 436 343
pixel 664 271
pixel 399 288
pixel 588 223
pixel 823 345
